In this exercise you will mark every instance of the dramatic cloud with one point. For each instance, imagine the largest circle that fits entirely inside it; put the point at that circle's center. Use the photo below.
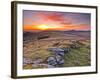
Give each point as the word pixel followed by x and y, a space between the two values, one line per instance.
pixel 33 20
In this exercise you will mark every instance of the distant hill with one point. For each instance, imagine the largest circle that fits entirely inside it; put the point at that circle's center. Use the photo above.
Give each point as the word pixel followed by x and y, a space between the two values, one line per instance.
pixel 85 34
pixel 29 35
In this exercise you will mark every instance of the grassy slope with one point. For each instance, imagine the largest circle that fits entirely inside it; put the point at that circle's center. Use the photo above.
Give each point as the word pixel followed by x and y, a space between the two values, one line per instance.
pixel 78 57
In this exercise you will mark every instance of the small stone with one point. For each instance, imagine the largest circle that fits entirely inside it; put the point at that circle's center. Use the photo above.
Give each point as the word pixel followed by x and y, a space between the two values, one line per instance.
pixel 60 60
pixel 27 61
pixel 52 61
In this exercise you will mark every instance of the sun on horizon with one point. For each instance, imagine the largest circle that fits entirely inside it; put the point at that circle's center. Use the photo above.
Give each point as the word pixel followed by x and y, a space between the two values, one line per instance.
pixel 49 20
pixel 43 27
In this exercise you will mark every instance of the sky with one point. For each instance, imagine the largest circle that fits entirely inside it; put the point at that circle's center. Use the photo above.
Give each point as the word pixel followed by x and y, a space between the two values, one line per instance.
pixel 52 20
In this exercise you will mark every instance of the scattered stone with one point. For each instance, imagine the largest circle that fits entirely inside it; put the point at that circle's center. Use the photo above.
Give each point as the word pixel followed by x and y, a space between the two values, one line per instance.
pixel 51 61
pixel 59 60
pixel 56 49
pixel 66 50
pixel 27 61
pixel 38 61
pixel 60 53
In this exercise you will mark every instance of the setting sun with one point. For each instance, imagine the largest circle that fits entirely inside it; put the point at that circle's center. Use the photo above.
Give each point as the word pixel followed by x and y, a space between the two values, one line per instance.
pixel 43 27
pixel 41 20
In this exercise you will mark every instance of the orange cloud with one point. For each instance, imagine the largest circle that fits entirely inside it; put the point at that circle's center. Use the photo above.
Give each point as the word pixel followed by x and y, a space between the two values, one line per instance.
pixel 65 27
pixel 30 27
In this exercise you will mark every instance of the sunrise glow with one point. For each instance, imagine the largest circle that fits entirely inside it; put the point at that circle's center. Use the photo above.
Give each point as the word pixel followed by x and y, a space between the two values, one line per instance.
pixel 46 20
pixel 43 27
